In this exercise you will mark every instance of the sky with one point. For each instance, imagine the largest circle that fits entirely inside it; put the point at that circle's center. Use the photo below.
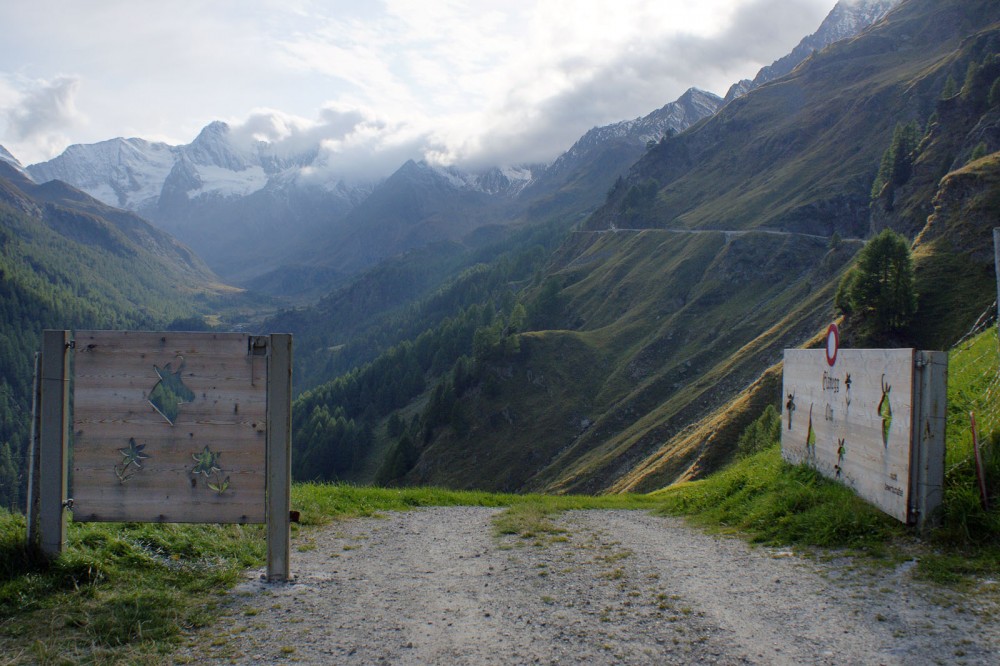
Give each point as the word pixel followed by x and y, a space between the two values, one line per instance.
pixel 473 83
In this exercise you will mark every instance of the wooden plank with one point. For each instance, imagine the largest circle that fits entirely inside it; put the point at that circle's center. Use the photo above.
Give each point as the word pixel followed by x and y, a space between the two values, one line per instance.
pixel 149 342
pixel 103 504
pixel 852 421
pixel 53 441
pixel 118 371
pixel 236 407
pixel 132 463
pixel 279 456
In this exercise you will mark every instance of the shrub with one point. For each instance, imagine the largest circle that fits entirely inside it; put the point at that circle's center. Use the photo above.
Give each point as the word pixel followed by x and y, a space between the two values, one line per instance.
pixel 761 434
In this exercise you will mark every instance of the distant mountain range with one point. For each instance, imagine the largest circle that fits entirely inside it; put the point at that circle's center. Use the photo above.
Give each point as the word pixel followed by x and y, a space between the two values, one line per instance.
pixel 252 213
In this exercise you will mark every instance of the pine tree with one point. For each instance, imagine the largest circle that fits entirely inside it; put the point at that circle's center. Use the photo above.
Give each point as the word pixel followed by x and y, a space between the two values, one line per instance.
pixel 882 292
pixel 950 88
pixel 897 160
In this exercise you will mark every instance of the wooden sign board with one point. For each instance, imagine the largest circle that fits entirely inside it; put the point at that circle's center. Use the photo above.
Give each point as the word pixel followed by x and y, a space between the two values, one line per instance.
pixel 169 427
pixel 853 420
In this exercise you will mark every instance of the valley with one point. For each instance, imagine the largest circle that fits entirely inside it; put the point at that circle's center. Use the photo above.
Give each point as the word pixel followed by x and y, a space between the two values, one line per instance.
pixel 609 321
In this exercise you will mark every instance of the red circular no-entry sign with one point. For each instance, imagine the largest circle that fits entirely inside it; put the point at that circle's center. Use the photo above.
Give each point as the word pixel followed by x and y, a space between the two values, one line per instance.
pixel 832 344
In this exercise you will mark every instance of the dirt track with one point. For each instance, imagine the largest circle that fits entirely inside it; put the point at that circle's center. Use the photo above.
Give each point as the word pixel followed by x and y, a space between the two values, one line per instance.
pixel 436 587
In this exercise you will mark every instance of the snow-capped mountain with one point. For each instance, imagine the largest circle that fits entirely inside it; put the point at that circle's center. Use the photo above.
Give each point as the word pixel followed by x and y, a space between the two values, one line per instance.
pixel 847 19
pixel 242 207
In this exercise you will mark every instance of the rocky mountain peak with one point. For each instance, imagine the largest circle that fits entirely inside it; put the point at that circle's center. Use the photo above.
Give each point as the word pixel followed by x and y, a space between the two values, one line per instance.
pixel 6 156
pixel 213 147
pixel 847 19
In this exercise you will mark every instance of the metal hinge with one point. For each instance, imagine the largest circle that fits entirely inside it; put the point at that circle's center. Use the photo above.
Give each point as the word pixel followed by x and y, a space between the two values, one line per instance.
pixel 257 345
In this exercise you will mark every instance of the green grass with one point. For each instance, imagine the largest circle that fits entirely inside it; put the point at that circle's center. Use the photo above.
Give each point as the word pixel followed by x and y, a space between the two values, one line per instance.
pixel 774 503
pixel 120 592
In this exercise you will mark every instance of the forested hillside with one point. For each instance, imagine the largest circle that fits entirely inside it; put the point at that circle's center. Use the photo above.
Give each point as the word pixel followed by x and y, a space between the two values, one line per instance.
pixel 67 261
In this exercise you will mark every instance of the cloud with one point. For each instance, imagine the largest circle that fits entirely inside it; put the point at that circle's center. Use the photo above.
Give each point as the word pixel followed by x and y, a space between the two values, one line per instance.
pixel 37 115
pixel 342 143
pixel 46 107
pixel 469 82
pixel 588 89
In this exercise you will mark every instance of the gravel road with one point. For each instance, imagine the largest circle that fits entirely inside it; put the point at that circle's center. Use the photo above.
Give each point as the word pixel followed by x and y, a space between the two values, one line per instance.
pixel 435 586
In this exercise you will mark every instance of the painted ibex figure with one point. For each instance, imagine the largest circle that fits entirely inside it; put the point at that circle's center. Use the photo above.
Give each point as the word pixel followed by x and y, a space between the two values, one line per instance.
pixel 885 412
pixel 170 392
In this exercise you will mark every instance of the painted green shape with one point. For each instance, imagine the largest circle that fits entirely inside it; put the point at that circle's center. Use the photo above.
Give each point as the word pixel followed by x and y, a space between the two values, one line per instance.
pixel 133 455
pixel 208 462
pixel 170 392
pixel 220 486
pixel 885 412
pixel 811 434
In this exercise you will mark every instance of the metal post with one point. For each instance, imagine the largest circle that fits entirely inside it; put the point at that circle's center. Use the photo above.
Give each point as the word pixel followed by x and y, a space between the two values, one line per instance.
pixel 31 505
pixel 279 455
pixel 53 429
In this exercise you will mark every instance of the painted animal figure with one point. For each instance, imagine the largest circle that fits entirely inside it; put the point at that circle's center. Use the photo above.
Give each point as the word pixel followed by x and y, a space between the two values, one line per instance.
pixel 885 412
pixel 170 392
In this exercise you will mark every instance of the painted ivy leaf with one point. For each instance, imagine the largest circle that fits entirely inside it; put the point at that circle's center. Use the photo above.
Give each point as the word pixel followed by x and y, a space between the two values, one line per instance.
pixel 219 487
pixel 133 455
pixel 207 462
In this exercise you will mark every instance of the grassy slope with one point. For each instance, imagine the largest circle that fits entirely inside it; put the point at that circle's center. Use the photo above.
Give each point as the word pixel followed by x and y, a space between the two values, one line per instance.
pixel 669 326
pixel 956 279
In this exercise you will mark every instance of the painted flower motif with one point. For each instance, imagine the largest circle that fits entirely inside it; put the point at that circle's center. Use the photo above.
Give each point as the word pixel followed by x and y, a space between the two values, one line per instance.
pixel 207 462
pixel 133 455
pixel 219 486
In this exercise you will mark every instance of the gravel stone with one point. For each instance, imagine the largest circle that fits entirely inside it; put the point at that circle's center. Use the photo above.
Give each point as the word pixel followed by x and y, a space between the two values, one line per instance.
pixel 436 586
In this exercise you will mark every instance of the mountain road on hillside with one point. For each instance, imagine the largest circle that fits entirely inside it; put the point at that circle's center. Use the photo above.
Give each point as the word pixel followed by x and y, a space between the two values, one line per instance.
pixel 439 586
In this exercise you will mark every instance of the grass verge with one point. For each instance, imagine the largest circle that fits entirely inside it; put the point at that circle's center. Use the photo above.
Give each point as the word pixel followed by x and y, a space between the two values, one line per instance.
pixel 120 593
pixel 774 503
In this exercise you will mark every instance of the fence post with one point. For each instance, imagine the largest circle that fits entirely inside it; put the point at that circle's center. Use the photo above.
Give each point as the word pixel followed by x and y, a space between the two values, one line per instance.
pixel 279 455
pixel 53 429
pixel 930 416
